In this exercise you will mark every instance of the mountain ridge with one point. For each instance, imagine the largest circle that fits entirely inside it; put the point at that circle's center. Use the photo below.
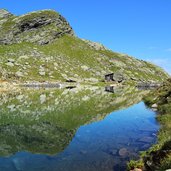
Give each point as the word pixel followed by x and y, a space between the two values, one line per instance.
pixel 42 46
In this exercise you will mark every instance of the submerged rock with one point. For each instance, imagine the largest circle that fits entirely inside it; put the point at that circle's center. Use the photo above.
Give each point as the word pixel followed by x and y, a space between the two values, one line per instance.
pixel 146 139
pixel 113 152
pixel 18 164
pixel 123 152
pixel 83 152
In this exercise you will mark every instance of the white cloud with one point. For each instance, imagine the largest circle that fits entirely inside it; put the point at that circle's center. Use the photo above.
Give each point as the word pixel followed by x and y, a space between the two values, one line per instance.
pixel 169 49
pixel 164 63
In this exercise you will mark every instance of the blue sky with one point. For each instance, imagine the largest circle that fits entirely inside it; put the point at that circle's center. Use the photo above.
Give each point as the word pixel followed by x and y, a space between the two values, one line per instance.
pixel 140 28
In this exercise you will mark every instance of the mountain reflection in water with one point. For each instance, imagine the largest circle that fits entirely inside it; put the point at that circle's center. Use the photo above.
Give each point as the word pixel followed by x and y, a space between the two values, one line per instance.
pixel 80 129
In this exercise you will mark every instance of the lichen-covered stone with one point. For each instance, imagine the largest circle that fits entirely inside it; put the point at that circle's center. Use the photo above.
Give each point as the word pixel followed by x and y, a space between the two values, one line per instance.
pixel 40 27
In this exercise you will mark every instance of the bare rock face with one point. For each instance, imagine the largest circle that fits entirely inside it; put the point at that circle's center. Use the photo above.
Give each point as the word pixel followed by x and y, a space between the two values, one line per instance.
pixel 4 14
pixel 40 27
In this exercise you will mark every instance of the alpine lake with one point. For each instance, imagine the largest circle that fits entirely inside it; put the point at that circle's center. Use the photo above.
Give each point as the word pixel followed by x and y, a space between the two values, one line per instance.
pixel 86 128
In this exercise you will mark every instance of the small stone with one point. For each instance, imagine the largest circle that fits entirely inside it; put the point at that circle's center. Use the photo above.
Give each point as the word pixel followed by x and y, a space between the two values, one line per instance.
pixel 136 169
pixel 84 67
pixel 42 73
pixel 24 68
pixel 11 64
pixel 23 57
pixel 114 152
pixel 42 98
pixel 20 97
pixel 123 152
pixel 83 152
pixel 55 64
pixel 11 107
pixel 19 74
pixel 154 106
pixel 11 60
pixel 85 98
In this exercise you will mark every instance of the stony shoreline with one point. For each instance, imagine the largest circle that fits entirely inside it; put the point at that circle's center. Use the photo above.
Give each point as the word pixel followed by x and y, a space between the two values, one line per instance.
pixel 158 157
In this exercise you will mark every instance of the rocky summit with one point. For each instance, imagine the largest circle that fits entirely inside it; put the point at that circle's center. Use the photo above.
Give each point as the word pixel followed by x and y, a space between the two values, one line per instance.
pixel 4 14
pixel 41 27
pixel 41 46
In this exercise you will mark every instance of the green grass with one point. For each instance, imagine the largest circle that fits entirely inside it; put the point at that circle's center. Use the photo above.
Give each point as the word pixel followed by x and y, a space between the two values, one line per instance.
pixel 135 164
pixel 43 13
pixel 6 26
pixel 71 55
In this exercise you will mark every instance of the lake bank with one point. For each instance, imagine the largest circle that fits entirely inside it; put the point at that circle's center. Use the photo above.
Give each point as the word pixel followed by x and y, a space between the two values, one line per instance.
pixel 158 157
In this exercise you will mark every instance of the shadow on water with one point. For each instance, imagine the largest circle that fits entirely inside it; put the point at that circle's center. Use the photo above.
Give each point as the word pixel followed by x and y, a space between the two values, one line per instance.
pixel 80 129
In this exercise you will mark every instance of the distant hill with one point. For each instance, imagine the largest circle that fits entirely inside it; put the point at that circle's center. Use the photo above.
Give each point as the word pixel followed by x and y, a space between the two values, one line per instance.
pixel 42 46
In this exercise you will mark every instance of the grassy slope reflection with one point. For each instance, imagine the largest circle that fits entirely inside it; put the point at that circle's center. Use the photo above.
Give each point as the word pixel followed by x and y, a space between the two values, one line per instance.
pixel 45 121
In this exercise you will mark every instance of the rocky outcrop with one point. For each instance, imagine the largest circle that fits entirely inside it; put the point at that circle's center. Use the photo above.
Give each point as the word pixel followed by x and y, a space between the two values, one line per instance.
pixel 95 45
pixel 4 14
pixel 40 27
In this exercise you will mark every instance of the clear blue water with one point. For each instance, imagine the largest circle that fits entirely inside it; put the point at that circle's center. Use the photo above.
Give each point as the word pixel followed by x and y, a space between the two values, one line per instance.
pixel 105 145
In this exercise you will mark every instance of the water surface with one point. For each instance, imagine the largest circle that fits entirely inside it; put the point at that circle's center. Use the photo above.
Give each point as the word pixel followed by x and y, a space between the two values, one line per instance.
pixel 86 129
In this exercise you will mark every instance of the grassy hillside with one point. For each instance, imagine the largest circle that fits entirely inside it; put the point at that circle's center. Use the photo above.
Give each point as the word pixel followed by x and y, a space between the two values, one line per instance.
pixel 71 58
pixel 41 46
